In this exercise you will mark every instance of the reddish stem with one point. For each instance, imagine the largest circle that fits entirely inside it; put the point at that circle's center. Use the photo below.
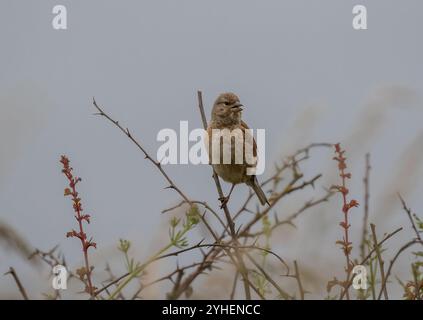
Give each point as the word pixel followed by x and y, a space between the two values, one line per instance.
pixel 86 244
pixel 347 205
pixel 83 238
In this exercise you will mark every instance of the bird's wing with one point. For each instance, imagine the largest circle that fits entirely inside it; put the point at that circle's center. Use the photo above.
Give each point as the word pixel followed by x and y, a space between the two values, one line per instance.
pixel 244 126
pixel 250 146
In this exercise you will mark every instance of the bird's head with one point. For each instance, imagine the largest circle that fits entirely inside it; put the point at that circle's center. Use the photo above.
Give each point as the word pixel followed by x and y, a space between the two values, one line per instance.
pixel 227 109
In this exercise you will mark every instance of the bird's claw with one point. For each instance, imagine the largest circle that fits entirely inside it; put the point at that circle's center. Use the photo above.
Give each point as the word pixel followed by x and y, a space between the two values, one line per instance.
pixel 224 201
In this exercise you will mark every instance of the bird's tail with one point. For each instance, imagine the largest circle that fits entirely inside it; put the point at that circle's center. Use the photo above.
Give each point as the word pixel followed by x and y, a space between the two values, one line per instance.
pixel 259 192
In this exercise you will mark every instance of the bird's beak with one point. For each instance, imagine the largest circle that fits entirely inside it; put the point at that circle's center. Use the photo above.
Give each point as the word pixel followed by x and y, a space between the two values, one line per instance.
pixel 237 107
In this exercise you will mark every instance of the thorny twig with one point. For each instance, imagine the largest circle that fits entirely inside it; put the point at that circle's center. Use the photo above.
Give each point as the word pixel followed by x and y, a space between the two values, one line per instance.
pixel 379 258
pixel 410 216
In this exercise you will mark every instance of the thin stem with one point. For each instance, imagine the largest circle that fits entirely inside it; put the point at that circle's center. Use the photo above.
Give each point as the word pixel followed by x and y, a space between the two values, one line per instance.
pixel 21 288
pixel 346 239
pixel 77 207
pixel 366 183
pixel 234 285
pixel 297 276
pixel 138 270
pixel 409 214
pixel 401 250
pixel 379 258
pixel 347 205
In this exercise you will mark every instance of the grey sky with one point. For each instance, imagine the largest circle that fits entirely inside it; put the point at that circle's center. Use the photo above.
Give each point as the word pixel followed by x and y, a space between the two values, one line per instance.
pixel 299 67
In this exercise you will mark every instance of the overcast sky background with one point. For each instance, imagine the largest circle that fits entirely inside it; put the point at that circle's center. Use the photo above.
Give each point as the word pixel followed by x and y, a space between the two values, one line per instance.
pixel 303 73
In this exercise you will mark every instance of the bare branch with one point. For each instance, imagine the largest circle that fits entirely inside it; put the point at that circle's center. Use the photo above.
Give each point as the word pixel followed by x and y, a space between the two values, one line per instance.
pixel 401 250
pixel 21 288
pixel 298 277
pixel 146 155
pixel 410 216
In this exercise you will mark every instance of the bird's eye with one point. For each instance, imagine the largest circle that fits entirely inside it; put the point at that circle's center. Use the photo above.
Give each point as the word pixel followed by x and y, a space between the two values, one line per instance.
pixel 226 103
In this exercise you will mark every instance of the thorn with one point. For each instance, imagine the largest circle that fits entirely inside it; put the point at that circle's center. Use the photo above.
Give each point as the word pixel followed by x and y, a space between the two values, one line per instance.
pixel 54 249
pixel 291 224
pixel 203 252
pixel 275 214
pixel 238 230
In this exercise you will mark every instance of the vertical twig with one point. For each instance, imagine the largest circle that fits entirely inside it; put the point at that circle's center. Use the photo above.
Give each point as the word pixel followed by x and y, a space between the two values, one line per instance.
pixel 417 283
pixel 297 276
pixel 21 288
pixel 373 270
pixel 80 217
pixel 366 206
pixel 379 258
pixel 234 285
pixel 347 205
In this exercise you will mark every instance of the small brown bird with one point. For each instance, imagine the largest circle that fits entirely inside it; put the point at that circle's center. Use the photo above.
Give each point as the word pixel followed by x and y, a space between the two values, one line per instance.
pixel 226 114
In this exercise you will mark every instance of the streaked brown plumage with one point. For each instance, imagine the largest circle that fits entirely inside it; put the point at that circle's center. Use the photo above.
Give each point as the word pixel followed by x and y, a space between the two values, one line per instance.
pixel 226 114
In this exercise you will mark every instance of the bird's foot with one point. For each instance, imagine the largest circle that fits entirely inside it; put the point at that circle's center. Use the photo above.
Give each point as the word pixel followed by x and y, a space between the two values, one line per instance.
pixel 223 201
